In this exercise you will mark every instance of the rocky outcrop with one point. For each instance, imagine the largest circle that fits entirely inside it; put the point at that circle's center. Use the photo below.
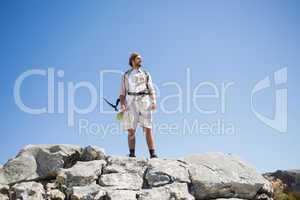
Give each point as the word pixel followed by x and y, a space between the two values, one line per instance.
pixel 286 183
pixel 72 172
pixel 218 175
pixel 39 161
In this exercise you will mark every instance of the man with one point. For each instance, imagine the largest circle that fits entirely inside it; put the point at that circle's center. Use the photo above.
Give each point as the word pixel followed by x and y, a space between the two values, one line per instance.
pixel 137 98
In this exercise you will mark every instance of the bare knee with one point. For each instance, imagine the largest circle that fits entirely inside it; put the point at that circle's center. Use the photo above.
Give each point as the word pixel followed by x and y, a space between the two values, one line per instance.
pixel 131 132
pixel 147 130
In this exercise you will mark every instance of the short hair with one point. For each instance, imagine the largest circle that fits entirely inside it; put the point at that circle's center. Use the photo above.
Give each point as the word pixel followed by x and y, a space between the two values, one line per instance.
pixel 132 57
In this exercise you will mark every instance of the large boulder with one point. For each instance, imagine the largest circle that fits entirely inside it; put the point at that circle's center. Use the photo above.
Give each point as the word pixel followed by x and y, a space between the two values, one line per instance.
pixel 165 171
pixel 38 161
pixel 219 175
pixel 82 173
pixel 21 168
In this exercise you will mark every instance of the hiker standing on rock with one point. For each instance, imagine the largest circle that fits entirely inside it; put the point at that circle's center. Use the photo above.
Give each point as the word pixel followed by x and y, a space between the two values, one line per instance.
pixel 137 98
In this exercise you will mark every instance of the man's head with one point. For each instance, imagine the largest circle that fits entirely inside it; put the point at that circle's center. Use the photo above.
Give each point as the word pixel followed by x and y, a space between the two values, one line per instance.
pixel 135 60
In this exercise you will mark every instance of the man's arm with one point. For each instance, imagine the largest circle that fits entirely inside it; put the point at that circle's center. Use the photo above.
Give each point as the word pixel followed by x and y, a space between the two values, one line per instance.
pixel 151 89
pixel 122 93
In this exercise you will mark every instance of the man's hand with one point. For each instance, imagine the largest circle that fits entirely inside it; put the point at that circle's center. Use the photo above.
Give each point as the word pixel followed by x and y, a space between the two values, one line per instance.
pixel 123 108
pixel 153 106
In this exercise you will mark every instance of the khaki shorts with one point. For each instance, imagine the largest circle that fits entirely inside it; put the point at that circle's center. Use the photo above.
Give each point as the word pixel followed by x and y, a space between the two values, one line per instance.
pixel 138 113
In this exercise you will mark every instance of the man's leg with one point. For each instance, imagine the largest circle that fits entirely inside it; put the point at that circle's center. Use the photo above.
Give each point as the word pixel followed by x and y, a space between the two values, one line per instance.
pixel 131 142
pixel 150 141
pixel 130 124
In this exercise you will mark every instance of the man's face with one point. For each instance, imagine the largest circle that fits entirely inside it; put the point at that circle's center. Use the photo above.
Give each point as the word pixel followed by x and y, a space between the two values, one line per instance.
pixel 138 61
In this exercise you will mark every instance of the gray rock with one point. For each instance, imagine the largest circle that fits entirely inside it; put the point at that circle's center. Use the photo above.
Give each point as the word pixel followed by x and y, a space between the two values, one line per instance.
pixel 166 171
pixel 4 189
pixel 88 192
pixel 52 191
pixel 38 161
pixel 174 191
pixel 128 181
pixel 55 194
pixel 123 173
pixel 121 194
pixel 18 169
pixel 4 192
pixel 217 175
pixel 290 179
pixel 90 153
pixel 122 164
pixel 28 191
pixel 51 185
pixel 82 173
pixel 3 197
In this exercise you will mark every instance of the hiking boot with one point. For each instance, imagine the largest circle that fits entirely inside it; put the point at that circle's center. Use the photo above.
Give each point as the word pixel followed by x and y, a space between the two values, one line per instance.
pixel 131 156
pixel 154 156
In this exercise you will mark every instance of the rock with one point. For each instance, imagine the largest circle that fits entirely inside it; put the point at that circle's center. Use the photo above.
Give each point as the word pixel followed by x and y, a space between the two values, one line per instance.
pixel 90 153
pixel 285 182
pixel 89 192
pixel 51 186
pixel 4 192
pixel 3 197
pixel 165 171
pixel 55 194
pixel 82 173
pixel 28 191
pixel 122 164
pixel 128 181
pixel 121 194
pixel 123 173
pixel 4 189
pixel 174 191
pixel 217 175
pixel 289 177
pixel 38 161
pixel 21 168
pixel 52 191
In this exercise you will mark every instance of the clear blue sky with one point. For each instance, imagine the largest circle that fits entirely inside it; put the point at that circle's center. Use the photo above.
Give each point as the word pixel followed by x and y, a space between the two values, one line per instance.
pixel 219 41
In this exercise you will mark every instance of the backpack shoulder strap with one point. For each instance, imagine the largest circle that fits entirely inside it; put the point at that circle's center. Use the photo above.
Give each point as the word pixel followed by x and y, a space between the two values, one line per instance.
pixel 146 73
pixel 126 74
pixel 147 76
